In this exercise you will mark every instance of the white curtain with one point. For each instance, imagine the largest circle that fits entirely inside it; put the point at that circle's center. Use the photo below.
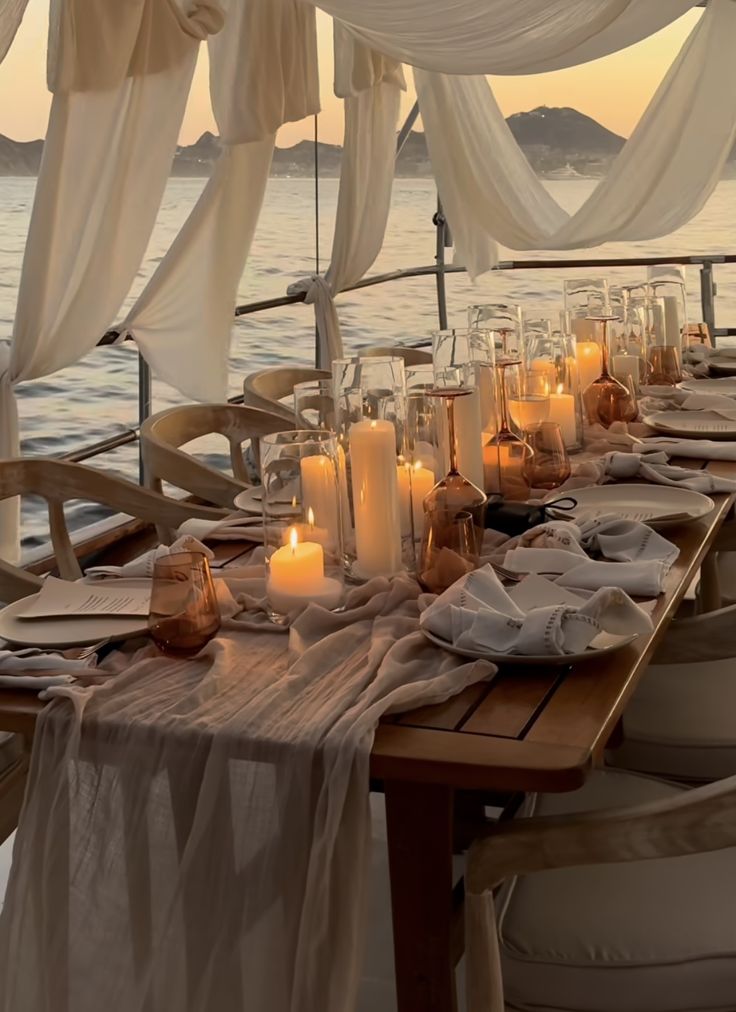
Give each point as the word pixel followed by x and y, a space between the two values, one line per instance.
pixel 106 160
pixel 371 85
pixel 263 73
pixel 502 36
pixel 11 15
pixel 661 178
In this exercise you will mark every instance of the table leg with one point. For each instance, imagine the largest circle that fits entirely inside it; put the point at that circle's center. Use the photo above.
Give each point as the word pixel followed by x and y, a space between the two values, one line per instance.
pixel 710 586
pixel 419 820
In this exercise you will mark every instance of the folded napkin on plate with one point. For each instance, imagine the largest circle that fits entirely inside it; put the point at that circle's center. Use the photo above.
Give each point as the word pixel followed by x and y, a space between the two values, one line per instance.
pixel 477 613
pixel 672 399
pixel 234 528
pixel 607 535
pixel 642 579
pixel 653 467
pixel 700 449
pixel 30 668
pixel 143 565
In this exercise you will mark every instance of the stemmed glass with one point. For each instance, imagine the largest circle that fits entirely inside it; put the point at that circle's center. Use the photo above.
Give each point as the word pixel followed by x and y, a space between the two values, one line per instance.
pixel 607 400
pixel 505 456
pixel 504 321
pixel 529 401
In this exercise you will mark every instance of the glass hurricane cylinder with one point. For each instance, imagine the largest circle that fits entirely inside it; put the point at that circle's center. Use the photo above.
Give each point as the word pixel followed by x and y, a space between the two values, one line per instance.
pixel 314 405
pixel 667 282
pixel 423 430
pixel 302 521
pixel 663 361
pixel 586 298
pixel 504 320
pixel 555 356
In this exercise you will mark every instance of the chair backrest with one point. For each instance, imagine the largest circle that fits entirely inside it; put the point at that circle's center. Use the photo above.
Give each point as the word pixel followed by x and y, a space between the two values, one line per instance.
pixel 411 356
pixel 163 434
pixel 266 388
pixel 57 482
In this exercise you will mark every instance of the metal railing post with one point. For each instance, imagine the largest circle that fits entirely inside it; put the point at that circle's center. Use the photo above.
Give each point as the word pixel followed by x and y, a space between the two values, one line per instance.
pixel 144 404
pixel 707 297
pixel 441 225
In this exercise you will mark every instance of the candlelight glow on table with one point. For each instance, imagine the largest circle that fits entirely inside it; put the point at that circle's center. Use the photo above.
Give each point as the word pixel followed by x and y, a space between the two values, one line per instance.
pixel 297 576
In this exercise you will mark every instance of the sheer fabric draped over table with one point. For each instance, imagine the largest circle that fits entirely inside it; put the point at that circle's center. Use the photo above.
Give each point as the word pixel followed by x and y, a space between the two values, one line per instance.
pixel 215 816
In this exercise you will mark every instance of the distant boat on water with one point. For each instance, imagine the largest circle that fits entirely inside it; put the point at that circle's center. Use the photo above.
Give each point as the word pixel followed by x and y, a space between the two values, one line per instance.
pixel 566 172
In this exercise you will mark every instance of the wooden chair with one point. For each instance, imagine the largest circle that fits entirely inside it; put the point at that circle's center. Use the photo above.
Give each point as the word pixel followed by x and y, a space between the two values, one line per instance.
pixel 411 356
pixel 163 434
pixel 619 908
pixel 267 388
pixel 57 482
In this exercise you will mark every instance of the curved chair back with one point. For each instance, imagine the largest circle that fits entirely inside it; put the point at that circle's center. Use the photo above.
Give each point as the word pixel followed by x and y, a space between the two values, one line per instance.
pixel 411 356
pixel 57 482
pixel 163 434
pixel 266 389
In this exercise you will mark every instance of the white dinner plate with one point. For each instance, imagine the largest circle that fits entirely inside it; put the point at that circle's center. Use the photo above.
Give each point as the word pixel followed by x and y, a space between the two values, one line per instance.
pixel 724 386
pixel 74 631
pixel 645 503
pixel 602 644
pixel 722 366
pixel 250 500
pixel 692 424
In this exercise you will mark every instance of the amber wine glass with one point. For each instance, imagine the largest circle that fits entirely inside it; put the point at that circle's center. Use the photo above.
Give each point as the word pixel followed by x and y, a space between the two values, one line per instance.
pixel 607 400
pixel 184 615
pixel 505 456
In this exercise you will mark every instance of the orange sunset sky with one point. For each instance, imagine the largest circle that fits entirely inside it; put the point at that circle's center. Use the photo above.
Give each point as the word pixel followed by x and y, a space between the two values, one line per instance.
pixel 614 90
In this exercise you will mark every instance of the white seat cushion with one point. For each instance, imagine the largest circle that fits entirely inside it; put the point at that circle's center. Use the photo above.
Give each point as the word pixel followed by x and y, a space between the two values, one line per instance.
pixel 681 722
pixel 648 936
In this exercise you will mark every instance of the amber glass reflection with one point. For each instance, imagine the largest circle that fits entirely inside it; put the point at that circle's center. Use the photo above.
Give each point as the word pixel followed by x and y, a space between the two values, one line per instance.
pixel 450 548
pixel 548 465
pixel 184 615
pixel 664 366
pixel 606 400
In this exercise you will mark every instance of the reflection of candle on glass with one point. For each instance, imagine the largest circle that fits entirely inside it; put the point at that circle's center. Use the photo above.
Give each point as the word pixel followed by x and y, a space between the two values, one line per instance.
pixel 562 411
pixel 296 577
pixel 375 498
pixel 320 494
pixel 590 362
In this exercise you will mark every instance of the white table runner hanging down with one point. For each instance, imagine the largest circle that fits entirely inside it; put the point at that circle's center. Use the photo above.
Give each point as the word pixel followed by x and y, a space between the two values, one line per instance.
pixel 217 816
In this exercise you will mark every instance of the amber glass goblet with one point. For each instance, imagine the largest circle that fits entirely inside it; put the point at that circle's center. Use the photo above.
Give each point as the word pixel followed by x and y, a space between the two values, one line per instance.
pixel 505 454
pixel 184 615
pixel 450 548
pixel 606 400
pixel 548 465
pixel 455 491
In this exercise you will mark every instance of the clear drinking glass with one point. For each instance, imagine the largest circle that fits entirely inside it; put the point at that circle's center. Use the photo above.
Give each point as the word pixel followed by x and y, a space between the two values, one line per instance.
pixel 668 282
pixel 548 465
pixel 314 405
pixel 184 614
pixel 303 490
pixel 504 321
pixel 449 550
pixel 528 392
pixel 423 436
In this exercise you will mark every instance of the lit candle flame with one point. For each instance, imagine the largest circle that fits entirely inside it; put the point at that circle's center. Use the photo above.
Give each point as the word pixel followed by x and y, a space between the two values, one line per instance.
pixel 293 539
pixel 373 425
pixel 310 518
pixel 417 465
pixel 560 388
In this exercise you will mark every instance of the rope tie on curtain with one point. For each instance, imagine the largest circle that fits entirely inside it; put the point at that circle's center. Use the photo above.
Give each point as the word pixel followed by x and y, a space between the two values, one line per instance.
pixel 318 293
pixel 206 18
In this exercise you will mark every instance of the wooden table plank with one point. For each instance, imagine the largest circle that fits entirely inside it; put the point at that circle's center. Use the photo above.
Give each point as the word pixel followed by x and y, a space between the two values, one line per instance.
pixel 512 702
pixel 447 716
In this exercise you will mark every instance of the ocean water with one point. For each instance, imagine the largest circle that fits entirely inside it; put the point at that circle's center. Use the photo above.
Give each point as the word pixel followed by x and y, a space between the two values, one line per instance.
pixel 98 396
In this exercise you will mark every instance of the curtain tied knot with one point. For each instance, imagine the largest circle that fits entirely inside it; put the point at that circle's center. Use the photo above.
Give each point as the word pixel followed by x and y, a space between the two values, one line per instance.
pixel 314 286
pixel 206 17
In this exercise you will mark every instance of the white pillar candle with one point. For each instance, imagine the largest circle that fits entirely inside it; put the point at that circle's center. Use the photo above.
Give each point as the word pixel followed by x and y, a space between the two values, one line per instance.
pixel 671 320
pixel 469 437
pixel 403 477
pixel 624 366
pixel 487 388
pixel 422 483
pixel 545 367
pixel 562 411
pixel 320 495
pixel 375 498
pixel 590 363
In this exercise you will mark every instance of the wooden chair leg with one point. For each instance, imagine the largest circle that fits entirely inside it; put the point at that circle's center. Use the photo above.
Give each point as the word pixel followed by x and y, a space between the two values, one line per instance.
pixel 709 592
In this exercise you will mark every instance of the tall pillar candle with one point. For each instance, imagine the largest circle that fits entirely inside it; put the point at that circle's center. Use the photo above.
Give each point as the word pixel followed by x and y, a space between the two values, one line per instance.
pixel 469 437
pixel 562 411
pixel 375 498
pixel 672 334
pixel 319 493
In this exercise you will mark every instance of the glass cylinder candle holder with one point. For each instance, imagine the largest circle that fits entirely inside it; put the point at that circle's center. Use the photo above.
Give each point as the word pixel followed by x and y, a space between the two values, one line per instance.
pixel 302 522
pixel 586 298
pixel 667 282
pixel 556 358
pixel 628 352
pixel 314 405
pixel 506 454
pixel 504 320
pixel 423 435
pixel 371 406
pixel 663 361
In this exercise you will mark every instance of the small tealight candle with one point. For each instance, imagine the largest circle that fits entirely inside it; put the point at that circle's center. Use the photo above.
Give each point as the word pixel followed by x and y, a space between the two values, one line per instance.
pixel 590 362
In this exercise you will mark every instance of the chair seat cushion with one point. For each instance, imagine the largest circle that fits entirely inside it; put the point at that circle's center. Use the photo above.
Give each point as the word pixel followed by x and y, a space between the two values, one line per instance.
pixel 681 722
pixel 11 749
pixel 647 936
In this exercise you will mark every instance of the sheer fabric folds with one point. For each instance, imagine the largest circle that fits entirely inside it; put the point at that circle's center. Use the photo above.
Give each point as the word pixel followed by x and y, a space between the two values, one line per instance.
pixel 197 833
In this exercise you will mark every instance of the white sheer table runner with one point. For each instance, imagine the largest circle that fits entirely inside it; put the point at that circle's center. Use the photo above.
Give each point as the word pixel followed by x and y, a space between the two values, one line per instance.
pixel 217 815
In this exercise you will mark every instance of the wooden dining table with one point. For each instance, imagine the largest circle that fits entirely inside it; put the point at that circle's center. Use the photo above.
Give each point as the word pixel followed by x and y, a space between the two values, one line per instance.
pixel 528 729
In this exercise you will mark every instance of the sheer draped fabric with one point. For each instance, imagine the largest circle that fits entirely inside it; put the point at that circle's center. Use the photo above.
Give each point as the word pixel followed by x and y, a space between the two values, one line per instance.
pixel 229 797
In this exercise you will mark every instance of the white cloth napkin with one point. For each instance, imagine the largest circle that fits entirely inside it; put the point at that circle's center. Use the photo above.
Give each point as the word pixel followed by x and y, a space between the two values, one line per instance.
pixel 608 535
pixel 30 668
pixel 670 398
pixel 234 528
pixel 654 467
pixel 702 449
pixel 143 565
pixel 477 613
pixel 642 579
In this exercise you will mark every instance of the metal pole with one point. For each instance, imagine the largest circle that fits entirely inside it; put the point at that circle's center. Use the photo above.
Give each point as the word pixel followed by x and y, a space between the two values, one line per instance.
pixel 316 229
pixel 144 405
pixel 440 224
pixel 708 291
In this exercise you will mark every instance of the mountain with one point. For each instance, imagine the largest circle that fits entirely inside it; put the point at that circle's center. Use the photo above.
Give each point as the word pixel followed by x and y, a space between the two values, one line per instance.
pixel 560 142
